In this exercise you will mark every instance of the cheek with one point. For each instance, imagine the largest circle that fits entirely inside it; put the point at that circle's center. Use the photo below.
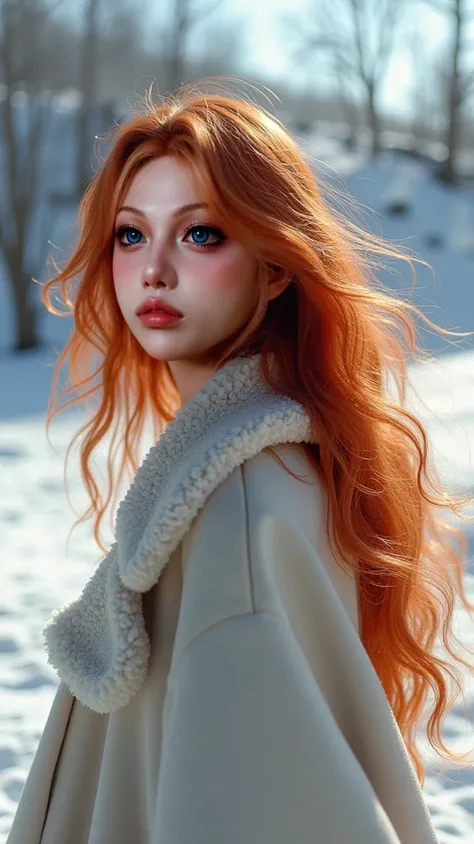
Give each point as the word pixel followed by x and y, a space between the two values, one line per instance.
pixel 122 269
pixel 234 274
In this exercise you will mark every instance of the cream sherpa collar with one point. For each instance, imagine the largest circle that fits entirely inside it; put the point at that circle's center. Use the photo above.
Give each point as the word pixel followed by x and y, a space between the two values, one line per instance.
pixel 98 642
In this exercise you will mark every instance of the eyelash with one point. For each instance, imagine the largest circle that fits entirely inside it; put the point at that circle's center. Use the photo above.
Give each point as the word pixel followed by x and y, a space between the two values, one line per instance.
pixel 213 229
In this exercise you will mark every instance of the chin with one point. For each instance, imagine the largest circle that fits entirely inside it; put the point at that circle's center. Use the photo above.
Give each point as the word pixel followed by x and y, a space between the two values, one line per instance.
pixel 173 351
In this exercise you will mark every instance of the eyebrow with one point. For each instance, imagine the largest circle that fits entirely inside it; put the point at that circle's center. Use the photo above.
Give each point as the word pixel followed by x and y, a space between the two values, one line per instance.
pixel 178 213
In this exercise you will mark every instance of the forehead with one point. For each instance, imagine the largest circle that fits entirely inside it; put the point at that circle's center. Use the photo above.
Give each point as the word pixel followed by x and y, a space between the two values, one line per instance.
pixel 165 181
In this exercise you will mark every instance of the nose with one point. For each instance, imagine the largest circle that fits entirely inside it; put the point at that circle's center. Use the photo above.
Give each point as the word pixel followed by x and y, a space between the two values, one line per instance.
pixel 158 272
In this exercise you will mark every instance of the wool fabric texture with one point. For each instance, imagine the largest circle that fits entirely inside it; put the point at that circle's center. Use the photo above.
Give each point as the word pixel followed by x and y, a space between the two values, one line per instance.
pixel 98 643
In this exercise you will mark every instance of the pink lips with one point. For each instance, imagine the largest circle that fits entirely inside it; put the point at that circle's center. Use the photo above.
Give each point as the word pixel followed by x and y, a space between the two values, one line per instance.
pixel 158 319
pixel 157 304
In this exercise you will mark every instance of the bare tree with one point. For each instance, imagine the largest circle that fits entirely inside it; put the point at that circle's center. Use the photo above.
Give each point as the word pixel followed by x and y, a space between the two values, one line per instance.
pixel 110 31
pixel 429 91
pixel 121 34
pixel 359 37
pixel 349 109
pixel 221 49
pixel 24 123
pixel 185 14
pixel 87 85
pixel 461 76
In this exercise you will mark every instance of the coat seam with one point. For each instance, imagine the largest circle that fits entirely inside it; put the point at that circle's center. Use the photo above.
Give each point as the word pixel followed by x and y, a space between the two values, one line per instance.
pixel 251 614
pixel 248 555
pixel 247 542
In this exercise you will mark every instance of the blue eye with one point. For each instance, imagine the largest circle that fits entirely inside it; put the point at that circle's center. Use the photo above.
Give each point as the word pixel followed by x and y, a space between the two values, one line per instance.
pixel 200 235
pixel 131 234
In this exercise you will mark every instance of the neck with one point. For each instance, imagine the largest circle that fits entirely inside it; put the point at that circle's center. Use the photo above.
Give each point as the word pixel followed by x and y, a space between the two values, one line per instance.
pixel 190 377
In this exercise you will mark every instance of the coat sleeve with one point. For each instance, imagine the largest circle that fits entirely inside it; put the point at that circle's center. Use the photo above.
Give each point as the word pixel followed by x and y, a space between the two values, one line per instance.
pixel 251 752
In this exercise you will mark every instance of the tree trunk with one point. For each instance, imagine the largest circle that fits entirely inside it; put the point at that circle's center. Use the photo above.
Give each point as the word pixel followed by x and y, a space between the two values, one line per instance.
pixel 175 63
pixel 83 149
pixel 350 116
pixel 448 169
pixel 25 315
pixel 348 109
pixel 88 81
pixel 374 123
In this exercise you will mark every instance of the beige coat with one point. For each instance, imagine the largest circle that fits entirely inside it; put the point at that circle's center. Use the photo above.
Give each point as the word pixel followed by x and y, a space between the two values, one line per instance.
pixel 214 688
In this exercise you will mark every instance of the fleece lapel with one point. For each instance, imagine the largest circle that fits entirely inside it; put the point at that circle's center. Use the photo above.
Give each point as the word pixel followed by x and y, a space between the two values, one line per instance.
pixel 98 643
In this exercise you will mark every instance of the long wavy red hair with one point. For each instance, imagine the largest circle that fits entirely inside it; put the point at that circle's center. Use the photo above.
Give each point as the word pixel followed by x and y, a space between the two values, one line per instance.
pixel 333 334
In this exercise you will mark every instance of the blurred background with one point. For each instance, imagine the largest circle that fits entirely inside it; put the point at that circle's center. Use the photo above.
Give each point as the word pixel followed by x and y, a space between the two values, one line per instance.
pixel 379 94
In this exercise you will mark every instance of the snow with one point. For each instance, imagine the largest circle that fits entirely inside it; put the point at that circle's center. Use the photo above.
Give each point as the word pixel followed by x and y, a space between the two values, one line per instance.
pixel 41 570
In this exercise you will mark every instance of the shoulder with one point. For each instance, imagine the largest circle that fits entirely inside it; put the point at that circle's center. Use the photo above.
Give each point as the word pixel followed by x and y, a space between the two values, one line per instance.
pixel 284 491
pixel 256 497
pixel 283 480
pixel 277 484
pixel 260 545
pixel 288 526
pixel 269 513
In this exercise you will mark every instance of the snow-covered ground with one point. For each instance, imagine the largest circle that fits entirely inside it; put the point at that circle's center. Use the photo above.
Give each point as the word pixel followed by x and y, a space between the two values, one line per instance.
pixel 40 571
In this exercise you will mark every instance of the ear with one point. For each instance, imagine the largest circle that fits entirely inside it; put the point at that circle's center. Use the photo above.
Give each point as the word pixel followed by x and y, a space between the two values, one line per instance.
pixel 278 280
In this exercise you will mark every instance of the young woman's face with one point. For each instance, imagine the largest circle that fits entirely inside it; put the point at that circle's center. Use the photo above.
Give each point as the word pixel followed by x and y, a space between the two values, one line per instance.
pixel 161 249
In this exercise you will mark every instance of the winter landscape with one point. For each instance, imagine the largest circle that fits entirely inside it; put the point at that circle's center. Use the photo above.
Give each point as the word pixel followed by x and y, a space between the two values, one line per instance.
pixel 40 570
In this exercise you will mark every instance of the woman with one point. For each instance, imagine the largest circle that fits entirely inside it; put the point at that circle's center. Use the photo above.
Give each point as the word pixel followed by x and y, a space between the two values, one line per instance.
pixel 236 668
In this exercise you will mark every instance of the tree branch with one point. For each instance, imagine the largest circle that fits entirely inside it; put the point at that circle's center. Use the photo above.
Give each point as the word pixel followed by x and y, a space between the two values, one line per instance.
pixel 389 18
pixel 356 10
pixel 210 8
pixel 466 84
pixel 446 7
pixel 184 15
pixel 322 43
pixel 36 135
